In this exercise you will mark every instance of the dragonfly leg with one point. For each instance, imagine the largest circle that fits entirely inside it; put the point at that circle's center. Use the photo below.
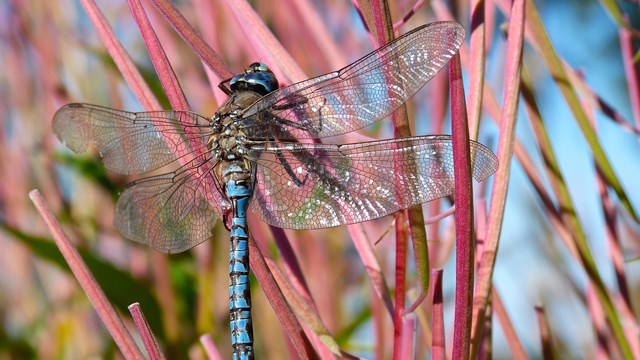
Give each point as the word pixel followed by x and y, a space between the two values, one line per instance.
pixel 225 89
pixel 301 125
pixel 290 171
pixel 297 100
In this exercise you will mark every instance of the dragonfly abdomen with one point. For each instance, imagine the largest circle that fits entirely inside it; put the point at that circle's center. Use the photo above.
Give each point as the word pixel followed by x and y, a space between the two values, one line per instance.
pixel 238 189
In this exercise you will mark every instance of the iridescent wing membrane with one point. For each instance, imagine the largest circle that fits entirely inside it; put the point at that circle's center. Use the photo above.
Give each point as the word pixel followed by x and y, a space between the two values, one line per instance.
pixel 171 212
pixel 323 185
pixel 359 94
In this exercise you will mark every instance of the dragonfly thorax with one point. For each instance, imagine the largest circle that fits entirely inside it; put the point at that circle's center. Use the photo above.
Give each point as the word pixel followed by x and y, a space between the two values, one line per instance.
pixel 228 144
pixel 227 140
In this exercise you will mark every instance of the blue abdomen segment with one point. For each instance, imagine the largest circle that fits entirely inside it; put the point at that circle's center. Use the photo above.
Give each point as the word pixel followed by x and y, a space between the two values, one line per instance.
pixel 239 192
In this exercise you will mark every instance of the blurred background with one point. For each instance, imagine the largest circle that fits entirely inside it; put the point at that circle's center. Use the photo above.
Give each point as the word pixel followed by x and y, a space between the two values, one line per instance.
pixel 50 55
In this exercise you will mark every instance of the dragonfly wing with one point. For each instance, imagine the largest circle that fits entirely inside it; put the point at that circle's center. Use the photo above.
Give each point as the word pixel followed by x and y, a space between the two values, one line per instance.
pixel 131 143
pixel 172 212
pixel 359 94
pixel 313 186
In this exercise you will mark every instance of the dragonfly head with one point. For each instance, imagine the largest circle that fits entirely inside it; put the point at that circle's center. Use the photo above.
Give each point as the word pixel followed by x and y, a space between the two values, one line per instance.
pixel 257 78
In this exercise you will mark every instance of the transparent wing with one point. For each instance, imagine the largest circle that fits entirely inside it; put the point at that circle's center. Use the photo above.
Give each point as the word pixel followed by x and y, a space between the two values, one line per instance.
pixel 172 212
pixel 131 143
pixel 313 186
pixel 358 95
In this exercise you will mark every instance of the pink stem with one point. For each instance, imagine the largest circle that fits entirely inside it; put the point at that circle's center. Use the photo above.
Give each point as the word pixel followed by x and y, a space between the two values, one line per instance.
pixel 148 339
pixel 438 343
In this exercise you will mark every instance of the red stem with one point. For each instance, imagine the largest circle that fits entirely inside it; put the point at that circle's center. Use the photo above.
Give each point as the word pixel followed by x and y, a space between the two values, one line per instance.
pixel 464 213
pixel 159 59
pixel 120 57
pixel 631 69
pixel 438 343
pixel 517 349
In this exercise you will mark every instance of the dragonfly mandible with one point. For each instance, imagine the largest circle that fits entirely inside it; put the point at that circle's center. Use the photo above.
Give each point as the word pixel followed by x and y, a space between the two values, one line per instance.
pixel 248 157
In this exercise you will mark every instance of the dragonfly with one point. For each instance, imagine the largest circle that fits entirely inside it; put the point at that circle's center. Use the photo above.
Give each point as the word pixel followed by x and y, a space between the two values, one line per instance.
pixel 261 152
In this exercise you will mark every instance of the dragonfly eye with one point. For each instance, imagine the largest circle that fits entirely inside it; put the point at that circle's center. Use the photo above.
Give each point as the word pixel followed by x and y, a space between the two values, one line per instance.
pixel 257 78
pixel 256 67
